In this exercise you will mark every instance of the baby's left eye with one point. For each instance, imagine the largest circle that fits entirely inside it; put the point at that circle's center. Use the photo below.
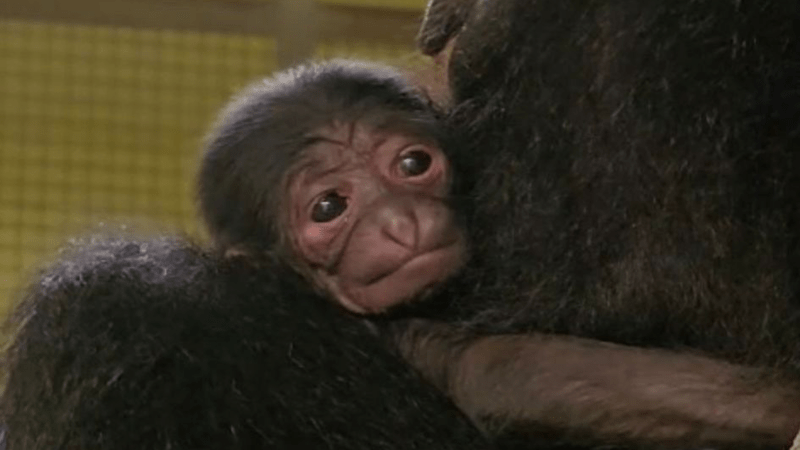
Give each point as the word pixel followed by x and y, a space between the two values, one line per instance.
pixel 415 163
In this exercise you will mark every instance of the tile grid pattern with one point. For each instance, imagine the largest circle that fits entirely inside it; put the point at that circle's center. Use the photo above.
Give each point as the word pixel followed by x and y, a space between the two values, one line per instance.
pixel 101 124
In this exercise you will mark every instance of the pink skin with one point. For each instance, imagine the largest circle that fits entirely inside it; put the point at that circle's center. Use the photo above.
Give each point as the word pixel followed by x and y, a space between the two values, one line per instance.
pixel 396 236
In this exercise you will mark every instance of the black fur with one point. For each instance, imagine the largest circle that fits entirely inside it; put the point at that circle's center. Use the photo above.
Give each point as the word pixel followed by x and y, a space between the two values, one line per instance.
pixel 643 183
pixel 156 344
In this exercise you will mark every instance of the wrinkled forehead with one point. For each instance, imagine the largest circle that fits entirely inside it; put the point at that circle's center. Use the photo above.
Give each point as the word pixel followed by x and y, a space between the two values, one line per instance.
pixel 349 148
pixel 340 144
pixel 336 145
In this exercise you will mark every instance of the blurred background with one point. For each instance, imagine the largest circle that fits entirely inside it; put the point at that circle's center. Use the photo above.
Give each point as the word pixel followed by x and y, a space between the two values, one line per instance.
pixel 104 103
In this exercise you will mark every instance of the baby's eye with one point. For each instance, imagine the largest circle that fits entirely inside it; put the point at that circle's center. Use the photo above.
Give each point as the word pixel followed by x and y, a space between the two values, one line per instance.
pixel 329 207
pixel 415 163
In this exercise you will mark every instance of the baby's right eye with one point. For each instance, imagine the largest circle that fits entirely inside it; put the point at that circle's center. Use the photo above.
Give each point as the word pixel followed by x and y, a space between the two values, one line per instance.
pixel 329 207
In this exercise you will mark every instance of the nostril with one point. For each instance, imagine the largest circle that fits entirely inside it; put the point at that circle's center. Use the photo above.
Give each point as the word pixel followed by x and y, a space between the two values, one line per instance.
pixel 401 228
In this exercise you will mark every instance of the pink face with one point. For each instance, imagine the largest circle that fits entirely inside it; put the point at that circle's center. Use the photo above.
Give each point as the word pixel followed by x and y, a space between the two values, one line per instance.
pixel 369 217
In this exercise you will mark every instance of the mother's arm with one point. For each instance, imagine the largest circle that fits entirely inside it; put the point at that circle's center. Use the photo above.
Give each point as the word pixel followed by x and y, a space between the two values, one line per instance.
pixel 586 391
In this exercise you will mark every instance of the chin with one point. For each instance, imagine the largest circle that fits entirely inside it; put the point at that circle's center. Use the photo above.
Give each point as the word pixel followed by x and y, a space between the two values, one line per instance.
pixel 412 281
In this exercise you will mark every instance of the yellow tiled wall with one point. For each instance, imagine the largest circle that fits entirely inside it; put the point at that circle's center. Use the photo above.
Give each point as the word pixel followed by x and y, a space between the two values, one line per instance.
pixel 390 4
pixel 99 124
pixel 402 55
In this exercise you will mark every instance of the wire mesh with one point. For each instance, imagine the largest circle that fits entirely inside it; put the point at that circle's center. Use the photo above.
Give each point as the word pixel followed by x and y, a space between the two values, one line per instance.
pixel 102 124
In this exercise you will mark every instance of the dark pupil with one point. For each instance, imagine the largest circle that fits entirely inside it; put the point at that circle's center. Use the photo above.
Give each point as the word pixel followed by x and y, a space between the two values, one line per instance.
pixel 415 163
pixel 329 207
